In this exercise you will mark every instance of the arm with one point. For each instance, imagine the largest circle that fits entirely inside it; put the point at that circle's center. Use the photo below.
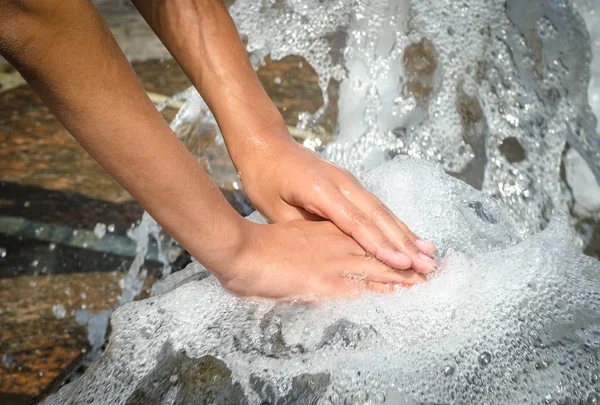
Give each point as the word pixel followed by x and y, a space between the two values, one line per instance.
pixel 69 58
pixel 66 53
pixel 203 39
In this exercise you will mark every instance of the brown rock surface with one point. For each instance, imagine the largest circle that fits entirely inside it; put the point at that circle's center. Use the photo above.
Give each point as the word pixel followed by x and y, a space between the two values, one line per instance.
pixel 36 347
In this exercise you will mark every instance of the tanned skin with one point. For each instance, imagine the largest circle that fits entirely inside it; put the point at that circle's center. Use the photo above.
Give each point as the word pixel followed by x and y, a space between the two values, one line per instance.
pixel 69 57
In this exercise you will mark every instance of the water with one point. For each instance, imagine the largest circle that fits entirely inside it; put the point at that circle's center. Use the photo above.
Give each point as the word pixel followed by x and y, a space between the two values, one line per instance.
pixel 505 321
pixel 495 93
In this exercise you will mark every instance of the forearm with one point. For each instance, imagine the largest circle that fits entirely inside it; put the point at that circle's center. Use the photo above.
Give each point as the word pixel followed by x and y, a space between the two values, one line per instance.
pixel 68 56
pixel 202 37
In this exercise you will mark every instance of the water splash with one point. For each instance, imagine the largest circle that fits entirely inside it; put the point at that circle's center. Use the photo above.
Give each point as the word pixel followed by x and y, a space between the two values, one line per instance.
pixel 506 321
pixel 490 90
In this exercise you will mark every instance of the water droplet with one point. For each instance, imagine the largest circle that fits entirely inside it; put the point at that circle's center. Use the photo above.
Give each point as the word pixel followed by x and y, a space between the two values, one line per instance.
pixel 8 360
pixel 100 230
pixel 59 311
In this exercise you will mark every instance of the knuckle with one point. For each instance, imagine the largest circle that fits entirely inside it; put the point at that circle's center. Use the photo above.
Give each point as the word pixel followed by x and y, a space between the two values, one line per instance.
pixel 385 244
pixel 402 225
pixel 346 174
pixel 320 187
pixel 359 219
pixel 316 185
pixel 382 211
pixel 408 243
pixel 409 234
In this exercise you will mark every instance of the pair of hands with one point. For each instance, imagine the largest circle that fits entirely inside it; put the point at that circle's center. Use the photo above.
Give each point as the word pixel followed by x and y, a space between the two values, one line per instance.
pixel 299 254
pixel 360 246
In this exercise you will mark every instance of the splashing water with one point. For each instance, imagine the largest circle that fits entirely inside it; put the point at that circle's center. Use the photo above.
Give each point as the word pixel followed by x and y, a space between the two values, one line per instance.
pixel 492 92
pixel 505 321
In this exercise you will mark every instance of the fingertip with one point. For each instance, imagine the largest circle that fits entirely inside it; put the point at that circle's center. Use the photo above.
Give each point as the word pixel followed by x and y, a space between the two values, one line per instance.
pixel 426 247
pixel 410 277
pixel 424 264
pixel 396 260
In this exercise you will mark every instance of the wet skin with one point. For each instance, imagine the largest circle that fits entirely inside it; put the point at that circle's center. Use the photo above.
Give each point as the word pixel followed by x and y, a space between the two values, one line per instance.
pixel 330 237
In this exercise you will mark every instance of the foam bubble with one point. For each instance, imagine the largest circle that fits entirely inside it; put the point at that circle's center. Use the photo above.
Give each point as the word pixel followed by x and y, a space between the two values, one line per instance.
pixel 505 321
pixel 494 93
pixel 491 90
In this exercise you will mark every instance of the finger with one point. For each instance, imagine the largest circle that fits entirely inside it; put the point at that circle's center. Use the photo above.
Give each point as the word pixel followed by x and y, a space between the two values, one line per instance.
pixel 425 246
pixel 359 226
pixel 366 201
pixel 288 213
pixel 303 214
pixel 380 288
pixel 366 269
pixel 396 231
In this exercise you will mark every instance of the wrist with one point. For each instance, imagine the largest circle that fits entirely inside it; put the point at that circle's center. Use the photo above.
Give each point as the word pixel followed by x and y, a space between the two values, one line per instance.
pixel 259 141
pixel 220 247
pixel 233 266
pixel 250 123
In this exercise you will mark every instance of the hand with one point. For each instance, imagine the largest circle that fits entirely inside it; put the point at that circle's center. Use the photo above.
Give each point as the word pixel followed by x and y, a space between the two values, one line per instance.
pixel 305 259
pixel 286 181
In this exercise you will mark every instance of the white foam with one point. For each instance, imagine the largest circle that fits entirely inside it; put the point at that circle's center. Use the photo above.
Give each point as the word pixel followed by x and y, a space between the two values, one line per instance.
pixel 493 97
pixel 491 91
pixel 505 321
pixel 590 11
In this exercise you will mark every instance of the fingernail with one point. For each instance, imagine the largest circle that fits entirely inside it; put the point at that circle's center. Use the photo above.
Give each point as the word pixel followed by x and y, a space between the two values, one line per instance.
pixel 424 245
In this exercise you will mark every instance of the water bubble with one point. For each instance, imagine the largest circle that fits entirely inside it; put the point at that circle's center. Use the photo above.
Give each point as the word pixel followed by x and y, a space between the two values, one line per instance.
pixel 485 358
pixel 593 399
pixel 448 371
pixel 483 290
pixel 8 360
